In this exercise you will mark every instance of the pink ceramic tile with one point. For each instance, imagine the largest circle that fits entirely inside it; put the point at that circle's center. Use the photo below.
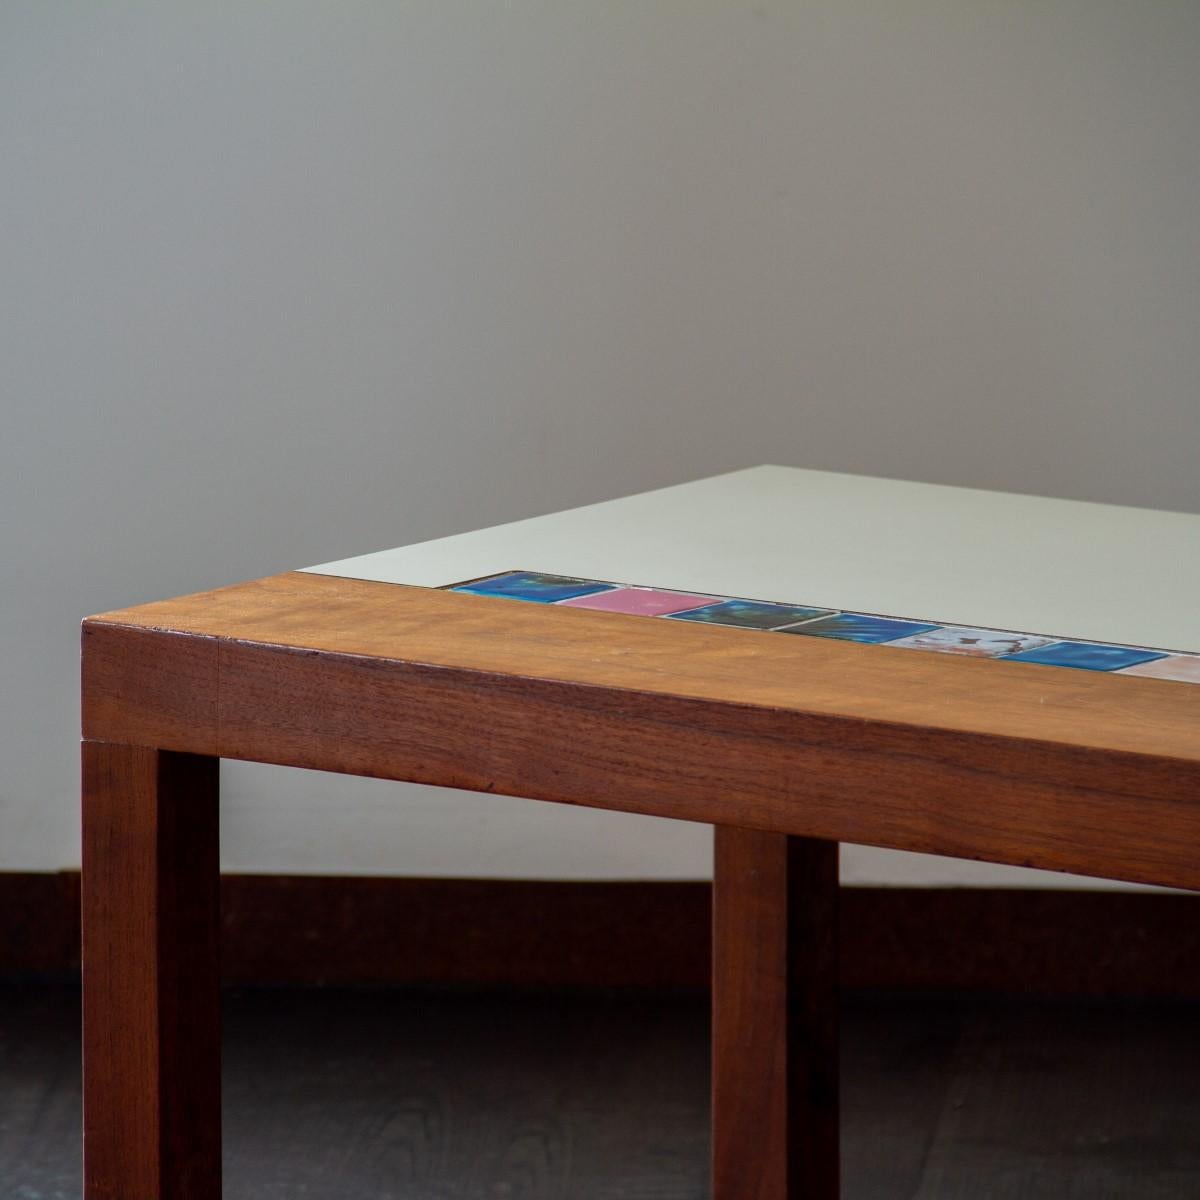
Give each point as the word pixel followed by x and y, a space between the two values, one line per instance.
pixel 1184 667
pixel 646 602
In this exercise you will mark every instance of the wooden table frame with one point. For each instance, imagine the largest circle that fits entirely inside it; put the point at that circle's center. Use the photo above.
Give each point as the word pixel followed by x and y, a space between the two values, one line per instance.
pixel 786 745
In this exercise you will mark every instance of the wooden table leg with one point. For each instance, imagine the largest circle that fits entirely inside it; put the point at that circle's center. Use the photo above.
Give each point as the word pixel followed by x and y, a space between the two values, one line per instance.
pixel 774 1038
pixel 151 1003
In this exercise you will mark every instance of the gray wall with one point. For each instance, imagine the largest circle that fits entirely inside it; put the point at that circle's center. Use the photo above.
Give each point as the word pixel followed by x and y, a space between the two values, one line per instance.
pixel 283 282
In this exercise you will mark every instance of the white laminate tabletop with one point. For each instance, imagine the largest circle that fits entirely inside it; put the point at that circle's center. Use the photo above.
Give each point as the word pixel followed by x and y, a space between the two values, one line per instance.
pixel 1065 568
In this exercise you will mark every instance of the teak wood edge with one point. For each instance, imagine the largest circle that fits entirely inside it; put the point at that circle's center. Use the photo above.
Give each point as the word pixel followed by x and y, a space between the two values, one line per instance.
pixel 1067 770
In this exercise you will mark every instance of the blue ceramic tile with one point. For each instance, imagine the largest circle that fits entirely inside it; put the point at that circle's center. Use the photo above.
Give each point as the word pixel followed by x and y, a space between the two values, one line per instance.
pixel 859 627
pixel 750 614
pixel 1085 656
pixel 529 585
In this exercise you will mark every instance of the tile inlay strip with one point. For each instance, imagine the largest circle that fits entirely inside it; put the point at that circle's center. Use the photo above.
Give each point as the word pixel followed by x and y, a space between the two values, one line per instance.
pixel 772 617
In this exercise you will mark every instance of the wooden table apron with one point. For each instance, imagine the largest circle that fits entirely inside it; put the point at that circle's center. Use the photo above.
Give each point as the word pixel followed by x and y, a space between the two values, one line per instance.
pixel 786 745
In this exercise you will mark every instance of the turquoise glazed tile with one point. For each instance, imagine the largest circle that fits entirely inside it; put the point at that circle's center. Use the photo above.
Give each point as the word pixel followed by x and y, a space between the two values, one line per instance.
pixel 750 614
pixel 529 585
pixel 859 627
pixel 1086 656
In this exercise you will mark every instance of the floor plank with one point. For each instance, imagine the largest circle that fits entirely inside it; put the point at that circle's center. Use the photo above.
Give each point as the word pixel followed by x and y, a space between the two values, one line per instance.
pixel 40 1102
pixel 896 1058
pixel 377 1095
pixel 1071 1102
pixel 394 1095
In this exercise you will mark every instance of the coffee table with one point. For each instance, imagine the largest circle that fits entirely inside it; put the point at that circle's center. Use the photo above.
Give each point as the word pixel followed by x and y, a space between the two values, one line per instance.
pixel 797 658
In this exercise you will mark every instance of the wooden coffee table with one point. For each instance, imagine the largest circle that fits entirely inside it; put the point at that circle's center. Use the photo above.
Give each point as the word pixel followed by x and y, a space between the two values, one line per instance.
pixel 797 658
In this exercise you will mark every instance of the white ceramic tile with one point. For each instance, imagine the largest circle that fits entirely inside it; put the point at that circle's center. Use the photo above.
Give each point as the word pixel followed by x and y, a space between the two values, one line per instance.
pixel 972 643
pixel 1183 668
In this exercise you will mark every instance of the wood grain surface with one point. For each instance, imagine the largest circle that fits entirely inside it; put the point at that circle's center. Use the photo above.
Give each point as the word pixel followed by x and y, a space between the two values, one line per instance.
pixel 774 1025
pixel 151 1038
pixel 1066 770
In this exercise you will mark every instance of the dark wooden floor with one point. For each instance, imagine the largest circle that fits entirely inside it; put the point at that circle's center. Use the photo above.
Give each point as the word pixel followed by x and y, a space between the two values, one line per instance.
pixel 457 1095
